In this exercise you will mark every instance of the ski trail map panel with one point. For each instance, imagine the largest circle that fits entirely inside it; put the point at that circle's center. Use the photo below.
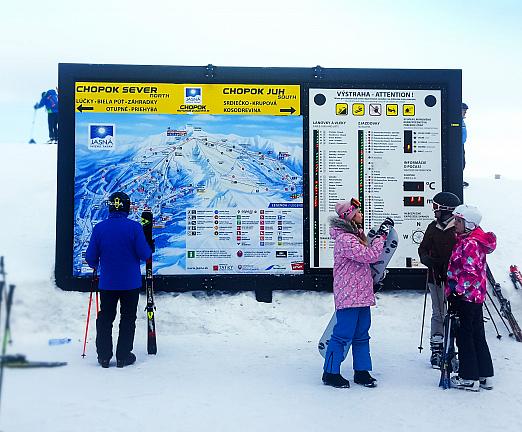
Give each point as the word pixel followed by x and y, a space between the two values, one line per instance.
pixel 382 146
pixel 219 165
pixel 378 274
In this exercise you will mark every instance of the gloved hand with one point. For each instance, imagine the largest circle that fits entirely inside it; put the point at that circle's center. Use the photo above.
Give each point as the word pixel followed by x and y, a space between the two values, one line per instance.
pixel 440 277
pixel 453 303
pixel 35 106
pixel 428 261
pixel 384 229
pixel 432 263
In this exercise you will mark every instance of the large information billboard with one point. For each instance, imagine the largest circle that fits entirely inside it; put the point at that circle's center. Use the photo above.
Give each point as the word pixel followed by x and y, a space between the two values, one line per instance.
pixel 220 166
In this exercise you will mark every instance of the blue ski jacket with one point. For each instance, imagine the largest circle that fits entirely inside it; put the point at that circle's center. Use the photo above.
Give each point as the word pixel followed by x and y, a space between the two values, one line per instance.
pixel 116 247
pixel 49 101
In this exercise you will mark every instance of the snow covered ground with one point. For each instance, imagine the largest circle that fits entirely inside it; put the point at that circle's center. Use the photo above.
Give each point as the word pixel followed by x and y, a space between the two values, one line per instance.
pixel 228 363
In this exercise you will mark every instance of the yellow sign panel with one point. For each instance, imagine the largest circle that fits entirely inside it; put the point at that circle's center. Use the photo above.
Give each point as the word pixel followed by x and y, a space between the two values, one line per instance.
pixel 392 109
pixel 358 109
pixel 408 110
pixel 159 98
pixel 341 108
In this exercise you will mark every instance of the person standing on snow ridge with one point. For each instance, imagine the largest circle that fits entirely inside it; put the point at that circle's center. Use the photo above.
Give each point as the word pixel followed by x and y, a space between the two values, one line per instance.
pixel 49 100
pixel 434 252
pixel 466 292
pixel 116 247
pixel 353 294
pixel 464 137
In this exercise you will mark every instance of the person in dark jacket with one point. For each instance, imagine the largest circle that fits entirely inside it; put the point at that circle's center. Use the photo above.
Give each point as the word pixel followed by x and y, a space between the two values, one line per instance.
pixel 434 252
pixel 49 100
pixel 116 247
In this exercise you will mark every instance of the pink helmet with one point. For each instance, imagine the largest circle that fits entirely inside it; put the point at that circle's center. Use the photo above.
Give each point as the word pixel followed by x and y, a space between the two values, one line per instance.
pixel 347 209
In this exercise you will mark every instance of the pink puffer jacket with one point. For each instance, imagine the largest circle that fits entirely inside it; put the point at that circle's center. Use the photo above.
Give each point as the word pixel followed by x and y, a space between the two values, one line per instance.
pixel 467 265
pixel 352 277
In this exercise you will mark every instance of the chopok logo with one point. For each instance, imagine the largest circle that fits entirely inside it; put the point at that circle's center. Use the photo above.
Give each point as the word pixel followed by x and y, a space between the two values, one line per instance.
pixel 193 95
pixel 102 136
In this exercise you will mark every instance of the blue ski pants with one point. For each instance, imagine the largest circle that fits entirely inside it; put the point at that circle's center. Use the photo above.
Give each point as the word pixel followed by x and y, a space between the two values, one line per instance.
pixel 352 329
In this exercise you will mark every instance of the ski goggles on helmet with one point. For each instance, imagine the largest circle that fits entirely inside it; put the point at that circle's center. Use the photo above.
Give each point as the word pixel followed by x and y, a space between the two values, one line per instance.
pixel 440 207
pixel 355 202
pixel 347 209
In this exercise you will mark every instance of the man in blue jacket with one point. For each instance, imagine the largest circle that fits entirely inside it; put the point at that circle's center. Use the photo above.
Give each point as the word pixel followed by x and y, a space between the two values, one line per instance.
pixel 116 247
pixel 49 100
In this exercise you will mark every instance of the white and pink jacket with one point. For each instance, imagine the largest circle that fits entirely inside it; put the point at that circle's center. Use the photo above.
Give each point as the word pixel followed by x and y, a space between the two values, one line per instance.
pixel 352 277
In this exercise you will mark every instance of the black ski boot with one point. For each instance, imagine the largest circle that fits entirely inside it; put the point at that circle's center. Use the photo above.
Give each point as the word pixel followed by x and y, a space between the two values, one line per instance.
pixel 104 363
pixel 435 359
pixel 364 378
pixel 335 380
pixel 127 361
pixel 437 349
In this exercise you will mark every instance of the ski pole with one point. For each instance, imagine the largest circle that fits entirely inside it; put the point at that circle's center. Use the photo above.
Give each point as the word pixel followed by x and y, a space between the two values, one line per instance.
pixel 499 336
pixel 31 140
pixel 7 328
pixel 444 370
pixel 510 333
pixel 93 283
pixel 97 302
pixel 87 324
pixel 424 312
pixel 8 304
pixel 2 282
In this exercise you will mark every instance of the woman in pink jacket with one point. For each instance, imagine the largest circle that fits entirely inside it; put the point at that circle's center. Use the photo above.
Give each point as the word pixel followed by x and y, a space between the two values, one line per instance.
pixel 466 292
pixel 353 294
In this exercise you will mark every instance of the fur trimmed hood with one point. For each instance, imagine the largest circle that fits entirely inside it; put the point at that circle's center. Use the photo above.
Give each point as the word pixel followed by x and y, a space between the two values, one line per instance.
pixel 344 225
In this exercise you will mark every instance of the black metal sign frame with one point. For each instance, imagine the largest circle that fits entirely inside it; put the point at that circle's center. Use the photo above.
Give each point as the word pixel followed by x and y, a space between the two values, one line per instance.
pixel 447 81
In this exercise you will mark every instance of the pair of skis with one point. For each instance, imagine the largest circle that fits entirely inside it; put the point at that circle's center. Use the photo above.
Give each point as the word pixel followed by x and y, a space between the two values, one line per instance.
pixel 19 361
pixel 449 356
pixel 146 222
pixel 505 306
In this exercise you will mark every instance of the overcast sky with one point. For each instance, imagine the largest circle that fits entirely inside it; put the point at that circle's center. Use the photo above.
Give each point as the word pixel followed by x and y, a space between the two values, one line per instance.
pixel 483 38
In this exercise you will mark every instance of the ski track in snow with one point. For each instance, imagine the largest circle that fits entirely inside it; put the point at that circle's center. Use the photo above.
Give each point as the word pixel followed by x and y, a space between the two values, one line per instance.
pixel 226 362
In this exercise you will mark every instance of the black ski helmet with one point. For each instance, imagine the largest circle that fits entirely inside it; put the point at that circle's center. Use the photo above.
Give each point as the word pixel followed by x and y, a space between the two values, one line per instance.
pixel 445 201
pixel 119 201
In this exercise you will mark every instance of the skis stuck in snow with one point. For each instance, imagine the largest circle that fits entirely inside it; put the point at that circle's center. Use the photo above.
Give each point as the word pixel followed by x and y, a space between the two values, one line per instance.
pixel 146 221
pixel 505 306
pixel 449 362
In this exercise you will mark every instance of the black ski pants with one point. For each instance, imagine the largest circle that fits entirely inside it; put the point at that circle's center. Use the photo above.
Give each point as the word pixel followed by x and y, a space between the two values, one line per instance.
pixel 474 357
pixel 128 306
pixel 52 122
